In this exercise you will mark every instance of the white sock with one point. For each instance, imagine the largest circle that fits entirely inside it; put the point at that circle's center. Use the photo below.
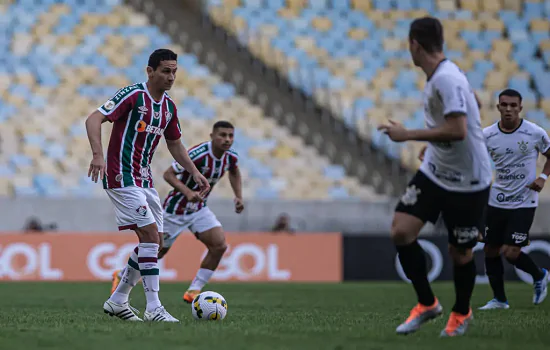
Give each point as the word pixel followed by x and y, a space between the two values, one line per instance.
pixel 150 276
pixel 202 278
pixel 129 278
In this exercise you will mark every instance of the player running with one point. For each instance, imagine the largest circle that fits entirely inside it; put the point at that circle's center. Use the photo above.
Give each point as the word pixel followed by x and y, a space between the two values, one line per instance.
pixel 453 180
pixel 185 207
pixel 514 144
pixel 141 114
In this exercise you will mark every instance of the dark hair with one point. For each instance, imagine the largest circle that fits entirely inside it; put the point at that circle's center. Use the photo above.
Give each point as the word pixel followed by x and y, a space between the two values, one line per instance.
pixel 222 124
pixel 511 93
pixel 160 55
pixel 428 32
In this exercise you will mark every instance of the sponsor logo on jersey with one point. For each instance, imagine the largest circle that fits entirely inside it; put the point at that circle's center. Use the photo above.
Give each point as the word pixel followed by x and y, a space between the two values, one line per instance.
pixel 465 234
pixel 142 110
pixel 501 197
pixel 123 92
pixel 519 237
pixel 142 126
pixel 197 151
pixel 451 176
pixel 168 115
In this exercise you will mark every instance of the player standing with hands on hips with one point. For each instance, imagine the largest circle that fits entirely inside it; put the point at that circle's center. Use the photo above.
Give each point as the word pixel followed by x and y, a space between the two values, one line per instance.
pixel 514 144
pixel 453 180
pixel 141 114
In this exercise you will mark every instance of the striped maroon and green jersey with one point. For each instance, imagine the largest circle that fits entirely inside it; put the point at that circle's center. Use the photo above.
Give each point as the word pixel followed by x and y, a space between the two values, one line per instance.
pixel 211 168
pixel 138 125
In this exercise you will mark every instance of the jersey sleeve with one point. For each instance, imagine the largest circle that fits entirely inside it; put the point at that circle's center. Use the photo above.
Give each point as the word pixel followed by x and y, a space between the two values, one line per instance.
pixel 452 94
pixel 173 131
pixel 177 167
pixel 119 106
pixel 234 161
pixel 543 142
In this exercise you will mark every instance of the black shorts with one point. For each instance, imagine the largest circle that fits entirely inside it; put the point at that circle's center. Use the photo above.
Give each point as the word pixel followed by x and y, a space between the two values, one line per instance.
pixel 462 212
pixel 508 226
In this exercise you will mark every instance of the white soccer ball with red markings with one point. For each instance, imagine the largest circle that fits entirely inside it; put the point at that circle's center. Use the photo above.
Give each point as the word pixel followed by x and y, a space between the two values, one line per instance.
pixel 209 306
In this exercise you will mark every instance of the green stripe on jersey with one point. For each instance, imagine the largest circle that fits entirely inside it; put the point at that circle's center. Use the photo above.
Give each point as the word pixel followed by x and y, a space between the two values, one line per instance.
pixel 119 96
pixel 172 204
pixel 128 144
pixel 149 141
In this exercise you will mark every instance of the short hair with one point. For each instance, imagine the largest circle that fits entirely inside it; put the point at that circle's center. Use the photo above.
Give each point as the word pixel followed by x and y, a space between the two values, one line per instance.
pixel 511 93
pixel 428 32
pixel 222 124
pixel 160 55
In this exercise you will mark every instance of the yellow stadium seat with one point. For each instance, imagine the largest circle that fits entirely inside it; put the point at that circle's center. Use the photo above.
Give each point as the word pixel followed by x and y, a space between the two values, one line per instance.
pixel 358 34
pixel 540 25
pixel 417 13
pixel 397 14
pixel 465 63
pixel 446 5
pixel 288 13
pixel 545 106
pixel 502 46
pixel 470 5
pixel 493 5
pixel 361 5
pixel 296 4
pixel 477 54
pixel 473 25
pixel 321 23
pixel 457 44
pixel 513 5
pixel 545 44
pixel 493 24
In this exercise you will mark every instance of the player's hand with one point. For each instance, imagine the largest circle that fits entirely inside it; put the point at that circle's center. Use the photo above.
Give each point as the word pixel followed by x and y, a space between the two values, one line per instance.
pixel 395 131
pixel 97 168
pixel 239 205
pixel 194 197
pixel 422 152
pixel 537 185
pixel 202 182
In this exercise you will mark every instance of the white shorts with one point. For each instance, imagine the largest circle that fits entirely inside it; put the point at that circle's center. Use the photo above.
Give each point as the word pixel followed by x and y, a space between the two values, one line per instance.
pixel 136 207
pixel 197 222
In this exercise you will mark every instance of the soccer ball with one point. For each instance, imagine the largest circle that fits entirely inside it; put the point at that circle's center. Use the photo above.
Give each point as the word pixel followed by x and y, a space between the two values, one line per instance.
pixel 209 306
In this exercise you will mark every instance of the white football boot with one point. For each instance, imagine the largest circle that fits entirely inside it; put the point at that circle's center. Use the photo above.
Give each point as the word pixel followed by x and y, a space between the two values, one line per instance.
pixel 159 315
pixel 123 311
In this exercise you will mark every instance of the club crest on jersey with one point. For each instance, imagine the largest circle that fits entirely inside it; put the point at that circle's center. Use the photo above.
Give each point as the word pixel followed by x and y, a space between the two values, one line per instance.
pixel 118 178
pixel 142 210
pixel 142 110
pixel 142 126
pixel 109 105
pixel 156 115
pixel 523 147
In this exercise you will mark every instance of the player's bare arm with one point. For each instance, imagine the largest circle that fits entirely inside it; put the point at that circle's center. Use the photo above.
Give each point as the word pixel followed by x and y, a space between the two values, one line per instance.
pixel 93 129
pixel 454 129
pixel 236 184
pixel 178 151
pixel 538 184
pixel 171 177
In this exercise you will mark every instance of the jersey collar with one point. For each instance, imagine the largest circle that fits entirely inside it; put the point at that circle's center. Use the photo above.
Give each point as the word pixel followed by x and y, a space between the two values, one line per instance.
pixel 151 97
pixel 436 68
pixel 510 132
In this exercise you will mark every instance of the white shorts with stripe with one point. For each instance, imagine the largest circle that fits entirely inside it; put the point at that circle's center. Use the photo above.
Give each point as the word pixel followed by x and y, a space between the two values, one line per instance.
pixel 136 207
pixel 197 222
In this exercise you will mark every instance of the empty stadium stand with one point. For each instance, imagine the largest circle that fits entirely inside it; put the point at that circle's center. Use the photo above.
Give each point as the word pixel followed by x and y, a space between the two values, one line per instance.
pixel 351 56
pixel 59 60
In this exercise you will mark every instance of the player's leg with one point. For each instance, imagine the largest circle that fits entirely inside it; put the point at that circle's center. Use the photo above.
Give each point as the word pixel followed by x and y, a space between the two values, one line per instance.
pixel 496 225
pixel 418 205
pixel 518 237
pixel 464 216
pixel 131 213
pixel 148 261
pixel 209 231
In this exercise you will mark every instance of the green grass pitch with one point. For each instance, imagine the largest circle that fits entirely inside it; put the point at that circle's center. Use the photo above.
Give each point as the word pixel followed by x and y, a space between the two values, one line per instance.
pixel 263 316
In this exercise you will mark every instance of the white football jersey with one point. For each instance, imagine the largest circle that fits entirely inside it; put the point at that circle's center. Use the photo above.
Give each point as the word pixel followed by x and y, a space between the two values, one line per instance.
pixel 515 156
pixel 457 166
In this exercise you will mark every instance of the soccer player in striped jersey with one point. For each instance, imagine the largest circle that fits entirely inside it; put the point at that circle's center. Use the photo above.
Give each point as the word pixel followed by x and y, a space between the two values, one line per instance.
pixel 141 114
pixel 185 207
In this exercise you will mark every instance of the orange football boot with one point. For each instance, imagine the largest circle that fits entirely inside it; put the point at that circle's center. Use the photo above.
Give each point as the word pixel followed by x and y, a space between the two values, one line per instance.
pixel 190 295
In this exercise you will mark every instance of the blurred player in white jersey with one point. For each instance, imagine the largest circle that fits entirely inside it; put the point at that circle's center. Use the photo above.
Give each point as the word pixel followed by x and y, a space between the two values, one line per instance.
pixel 515 145
pixel 453 180
pixel 185 207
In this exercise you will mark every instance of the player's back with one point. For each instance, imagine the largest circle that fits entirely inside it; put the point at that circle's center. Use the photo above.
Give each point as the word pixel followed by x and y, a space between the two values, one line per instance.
pixel 139 121
pixel 464 165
